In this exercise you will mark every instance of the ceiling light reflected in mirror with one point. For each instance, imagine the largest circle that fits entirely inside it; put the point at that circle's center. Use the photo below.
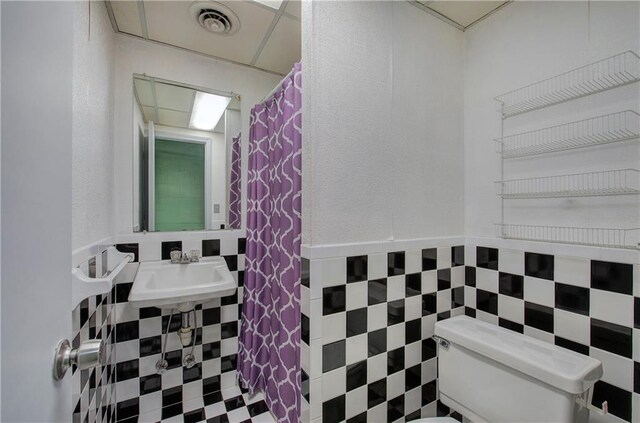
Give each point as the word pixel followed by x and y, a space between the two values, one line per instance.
pixel 180 106
pixel 207 110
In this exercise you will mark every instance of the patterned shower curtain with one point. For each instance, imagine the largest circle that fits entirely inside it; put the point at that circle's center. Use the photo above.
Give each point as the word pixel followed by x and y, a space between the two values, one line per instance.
pixel 269 340
pixel 235 199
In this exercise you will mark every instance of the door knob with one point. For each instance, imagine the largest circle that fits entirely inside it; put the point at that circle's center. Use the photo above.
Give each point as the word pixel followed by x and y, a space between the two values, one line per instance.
pixel 88 354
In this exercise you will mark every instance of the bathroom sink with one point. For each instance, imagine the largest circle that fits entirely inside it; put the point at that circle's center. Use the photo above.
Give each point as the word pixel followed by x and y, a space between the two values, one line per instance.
pixel 167 285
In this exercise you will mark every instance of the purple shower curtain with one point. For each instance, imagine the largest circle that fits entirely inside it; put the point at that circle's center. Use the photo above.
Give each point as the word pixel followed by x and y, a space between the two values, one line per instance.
pixel 235 199
pixel 269 340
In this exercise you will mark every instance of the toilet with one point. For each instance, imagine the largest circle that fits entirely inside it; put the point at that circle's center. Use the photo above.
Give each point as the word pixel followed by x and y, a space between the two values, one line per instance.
pixel 491 374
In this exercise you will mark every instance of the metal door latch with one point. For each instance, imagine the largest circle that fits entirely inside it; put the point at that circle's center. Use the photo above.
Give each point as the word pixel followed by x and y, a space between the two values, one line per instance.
pixel 88 354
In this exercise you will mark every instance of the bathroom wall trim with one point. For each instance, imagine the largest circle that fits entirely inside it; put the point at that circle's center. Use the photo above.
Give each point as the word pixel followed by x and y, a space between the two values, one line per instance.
pixel 314 252
pixel 81 255
pixel 337 250
pixel 582 251
pixel 181 235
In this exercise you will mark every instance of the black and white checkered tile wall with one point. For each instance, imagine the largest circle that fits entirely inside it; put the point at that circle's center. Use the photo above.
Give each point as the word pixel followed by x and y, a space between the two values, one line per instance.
pixel 128 388
pixel 584 305
pixel 366 327
pixel 367 322
pixel 207 391
pixel 93 390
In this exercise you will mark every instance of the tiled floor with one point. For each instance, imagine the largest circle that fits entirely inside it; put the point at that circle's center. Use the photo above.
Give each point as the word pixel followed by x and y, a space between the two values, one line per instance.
pixel 235 407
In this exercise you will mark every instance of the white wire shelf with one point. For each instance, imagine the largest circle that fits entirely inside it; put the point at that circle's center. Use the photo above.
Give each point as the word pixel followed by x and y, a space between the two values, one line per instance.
pixel 602 75
pixel 598 237
pixel 613 127
pixel 609 182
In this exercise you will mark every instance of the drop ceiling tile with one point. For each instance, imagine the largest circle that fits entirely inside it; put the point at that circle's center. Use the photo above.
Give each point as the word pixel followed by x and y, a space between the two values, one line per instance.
pixel 144 91
pixel 283 48
pixel 274 4
pixel 293 8
pixel 170 22
pixel 174 98
pixel 173 118
pixel 127 17
pixel 464 12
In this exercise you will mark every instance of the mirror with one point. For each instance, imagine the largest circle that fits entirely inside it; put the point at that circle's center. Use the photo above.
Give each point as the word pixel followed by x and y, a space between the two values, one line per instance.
pixel 165 50
pixel 186 157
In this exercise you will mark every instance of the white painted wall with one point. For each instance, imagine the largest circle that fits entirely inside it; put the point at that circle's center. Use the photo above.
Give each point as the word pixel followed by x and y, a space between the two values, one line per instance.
pixel 382 137
pixel 427 198
pixel 136 56
pixel 92 170
pixel 232 124
pixel 521 44
pixel 37 70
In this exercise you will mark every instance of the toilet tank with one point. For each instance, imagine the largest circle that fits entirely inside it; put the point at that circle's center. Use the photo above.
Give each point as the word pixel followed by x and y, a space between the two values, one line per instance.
pixel 491 374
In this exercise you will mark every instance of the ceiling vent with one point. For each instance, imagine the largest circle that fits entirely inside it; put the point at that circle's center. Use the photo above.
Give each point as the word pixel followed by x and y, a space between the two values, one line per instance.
pixel 215 18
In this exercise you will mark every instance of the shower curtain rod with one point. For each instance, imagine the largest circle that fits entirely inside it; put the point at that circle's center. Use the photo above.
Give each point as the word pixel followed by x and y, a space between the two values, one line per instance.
pixel 273 91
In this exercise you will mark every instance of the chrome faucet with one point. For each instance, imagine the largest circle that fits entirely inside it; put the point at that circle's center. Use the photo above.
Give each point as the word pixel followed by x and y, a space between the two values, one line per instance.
pixel 184 257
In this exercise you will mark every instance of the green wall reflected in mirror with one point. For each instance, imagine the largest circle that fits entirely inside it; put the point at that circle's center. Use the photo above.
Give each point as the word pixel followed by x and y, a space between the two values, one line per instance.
pixel 179 187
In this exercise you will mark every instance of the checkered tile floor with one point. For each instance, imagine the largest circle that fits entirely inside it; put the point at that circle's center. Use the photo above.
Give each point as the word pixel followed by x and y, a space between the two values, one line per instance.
pixel 234 406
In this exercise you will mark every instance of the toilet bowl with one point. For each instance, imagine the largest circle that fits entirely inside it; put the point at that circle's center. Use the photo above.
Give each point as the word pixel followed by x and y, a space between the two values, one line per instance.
pixel 530 380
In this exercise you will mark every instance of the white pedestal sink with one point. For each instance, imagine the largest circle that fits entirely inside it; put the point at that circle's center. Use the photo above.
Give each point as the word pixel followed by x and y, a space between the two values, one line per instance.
pixel 169 285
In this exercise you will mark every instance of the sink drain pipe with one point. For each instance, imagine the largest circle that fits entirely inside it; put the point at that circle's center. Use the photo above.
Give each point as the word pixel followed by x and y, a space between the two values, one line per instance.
pixel 186 335
pixel 185 332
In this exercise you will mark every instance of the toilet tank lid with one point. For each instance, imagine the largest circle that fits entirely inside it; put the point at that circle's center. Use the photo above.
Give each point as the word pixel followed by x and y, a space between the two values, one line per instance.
pixel 556 366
